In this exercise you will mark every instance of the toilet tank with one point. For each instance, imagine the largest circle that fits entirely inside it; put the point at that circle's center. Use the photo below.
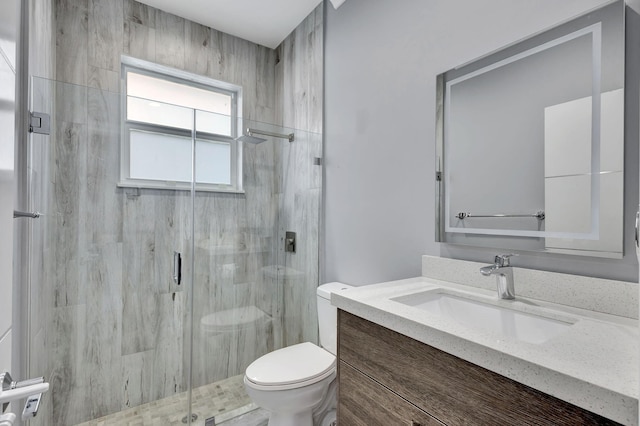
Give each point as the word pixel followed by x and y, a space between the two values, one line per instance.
pixel 328 315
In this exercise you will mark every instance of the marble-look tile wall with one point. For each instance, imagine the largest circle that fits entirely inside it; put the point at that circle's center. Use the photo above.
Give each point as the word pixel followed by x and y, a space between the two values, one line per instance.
pixel 114 327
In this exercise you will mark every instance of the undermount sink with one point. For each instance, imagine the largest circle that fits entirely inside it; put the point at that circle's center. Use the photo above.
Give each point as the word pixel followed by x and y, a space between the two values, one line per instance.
pixel 484 316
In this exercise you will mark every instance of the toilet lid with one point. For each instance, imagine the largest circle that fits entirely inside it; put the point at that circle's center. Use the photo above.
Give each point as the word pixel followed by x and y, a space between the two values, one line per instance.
pixel 293 364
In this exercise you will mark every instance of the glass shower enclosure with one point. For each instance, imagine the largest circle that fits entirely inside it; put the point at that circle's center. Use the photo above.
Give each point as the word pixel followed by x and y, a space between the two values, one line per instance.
pixel 147 304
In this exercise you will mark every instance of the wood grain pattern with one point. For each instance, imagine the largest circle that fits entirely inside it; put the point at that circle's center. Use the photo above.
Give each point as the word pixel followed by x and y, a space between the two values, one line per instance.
pixel 365 402
pixel 105 274
pixel 452 390
pixel 72 41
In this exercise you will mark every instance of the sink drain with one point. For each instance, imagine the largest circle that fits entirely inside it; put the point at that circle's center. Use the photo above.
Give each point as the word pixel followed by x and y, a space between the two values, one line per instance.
pixel 194 417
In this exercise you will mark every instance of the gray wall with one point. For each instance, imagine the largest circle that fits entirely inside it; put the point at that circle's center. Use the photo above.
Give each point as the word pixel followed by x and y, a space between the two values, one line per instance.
pixel 381 62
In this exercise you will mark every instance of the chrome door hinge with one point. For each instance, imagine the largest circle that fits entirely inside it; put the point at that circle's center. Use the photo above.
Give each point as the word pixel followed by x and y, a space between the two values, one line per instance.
pixel 39 122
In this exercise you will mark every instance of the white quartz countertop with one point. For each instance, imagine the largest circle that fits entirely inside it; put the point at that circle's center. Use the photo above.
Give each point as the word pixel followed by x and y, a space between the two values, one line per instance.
pixel 594 364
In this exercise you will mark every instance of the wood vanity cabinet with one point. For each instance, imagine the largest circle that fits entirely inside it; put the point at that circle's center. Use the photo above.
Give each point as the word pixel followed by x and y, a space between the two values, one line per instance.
pixel 385 378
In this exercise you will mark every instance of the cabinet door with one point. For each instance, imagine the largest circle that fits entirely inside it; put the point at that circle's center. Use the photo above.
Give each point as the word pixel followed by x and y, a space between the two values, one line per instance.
pixel 363 401
pixel 454 391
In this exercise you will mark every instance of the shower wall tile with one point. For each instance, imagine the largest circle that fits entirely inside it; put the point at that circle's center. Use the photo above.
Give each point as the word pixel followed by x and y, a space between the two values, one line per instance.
pixel 198 58
pixel 170 40
pixel 308 257
pixel 70 150
pixel 265 78
pixel 313 53
pixel 228 66
pixel 105 34
pixel 101 352
pixel 139 41
pixel 135 386
pixel 139 319
pixel 102 79
pixel 167 230
pixel 301 68
pixel 139 13
pixel 68 377
pixel 218 60
pixel 140 296
pixel 299 172
pixel 102 200
pixel 211 357
pixel 70 104
pixel 104 284
pixel 168 377
pixel 72 17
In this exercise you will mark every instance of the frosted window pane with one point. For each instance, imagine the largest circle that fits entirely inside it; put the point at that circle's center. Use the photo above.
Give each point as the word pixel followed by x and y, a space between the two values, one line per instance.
pixel 213 162
pixel 155 156
pixel 213 123
pixel 144 86
pixel 159 113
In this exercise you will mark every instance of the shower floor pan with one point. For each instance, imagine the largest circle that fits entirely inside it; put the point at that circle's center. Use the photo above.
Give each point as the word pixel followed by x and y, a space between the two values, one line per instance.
pixel 223 400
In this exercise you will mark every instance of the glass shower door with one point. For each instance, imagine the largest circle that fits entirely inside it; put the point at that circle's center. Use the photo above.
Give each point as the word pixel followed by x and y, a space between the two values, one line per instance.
pixel 108 325
pixel 234 235
pixel 251 296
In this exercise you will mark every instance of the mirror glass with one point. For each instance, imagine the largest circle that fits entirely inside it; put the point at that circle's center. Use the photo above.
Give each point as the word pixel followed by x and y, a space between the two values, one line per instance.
pixel 531 142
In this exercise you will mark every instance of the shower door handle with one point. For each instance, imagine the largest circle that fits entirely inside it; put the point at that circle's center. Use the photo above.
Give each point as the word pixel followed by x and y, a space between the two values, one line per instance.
pixel 177 267
pixel 33 215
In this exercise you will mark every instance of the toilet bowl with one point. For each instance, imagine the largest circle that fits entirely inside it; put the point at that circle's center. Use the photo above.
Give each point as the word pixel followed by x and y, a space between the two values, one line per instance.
pixel 296 384
pixel 290 389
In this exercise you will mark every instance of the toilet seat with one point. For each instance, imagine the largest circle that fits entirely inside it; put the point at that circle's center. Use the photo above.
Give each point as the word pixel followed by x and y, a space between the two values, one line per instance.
pixel 292 367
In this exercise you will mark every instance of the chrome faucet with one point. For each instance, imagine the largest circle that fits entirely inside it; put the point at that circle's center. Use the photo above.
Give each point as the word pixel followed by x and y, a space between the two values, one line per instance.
pixel 501 268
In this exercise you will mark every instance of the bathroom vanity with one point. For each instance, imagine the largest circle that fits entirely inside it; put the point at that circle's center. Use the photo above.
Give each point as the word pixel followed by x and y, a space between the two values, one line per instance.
pixel 401 362
pixel 404 381
pixel 527 164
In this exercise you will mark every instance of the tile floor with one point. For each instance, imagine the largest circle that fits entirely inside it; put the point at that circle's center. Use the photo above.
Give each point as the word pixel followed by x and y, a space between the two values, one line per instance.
pixel 225 400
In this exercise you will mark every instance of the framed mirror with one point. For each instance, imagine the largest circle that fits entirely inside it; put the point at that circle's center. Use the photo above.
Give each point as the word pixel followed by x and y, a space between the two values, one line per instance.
pixel 530 145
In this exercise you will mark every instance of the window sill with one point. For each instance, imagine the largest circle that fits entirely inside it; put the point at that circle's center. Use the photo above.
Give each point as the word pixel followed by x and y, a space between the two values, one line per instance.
pixel 178 186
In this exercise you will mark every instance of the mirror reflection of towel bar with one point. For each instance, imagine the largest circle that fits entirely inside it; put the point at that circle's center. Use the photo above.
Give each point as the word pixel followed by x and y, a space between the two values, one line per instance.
pixel 538 215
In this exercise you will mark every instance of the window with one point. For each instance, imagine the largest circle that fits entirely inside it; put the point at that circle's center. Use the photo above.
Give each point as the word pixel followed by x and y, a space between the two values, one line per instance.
pixel 161 108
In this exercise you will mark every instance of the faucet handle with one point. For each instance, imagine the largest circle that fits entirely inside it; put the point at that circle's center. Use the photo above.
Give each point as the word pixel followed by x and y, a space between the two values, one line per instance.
pixel 502 260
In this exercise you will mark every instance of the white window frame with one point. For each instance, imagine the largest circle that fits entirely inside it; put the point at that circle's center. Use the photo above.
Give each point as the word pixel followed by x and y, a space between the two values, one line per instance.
pixel 189 79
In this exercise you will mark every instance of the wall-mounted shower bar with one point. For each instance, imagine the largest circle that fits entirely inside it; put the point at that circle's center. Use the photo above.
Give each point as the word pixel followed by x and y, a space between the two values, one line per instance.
pixel 540 215
pixel 33 215
pixel 290 136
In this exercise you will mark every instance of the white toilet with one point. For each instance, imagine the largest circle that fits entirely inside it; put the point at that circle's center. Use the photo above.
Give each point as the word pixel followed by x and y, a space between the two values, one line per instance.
pixel 296 384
